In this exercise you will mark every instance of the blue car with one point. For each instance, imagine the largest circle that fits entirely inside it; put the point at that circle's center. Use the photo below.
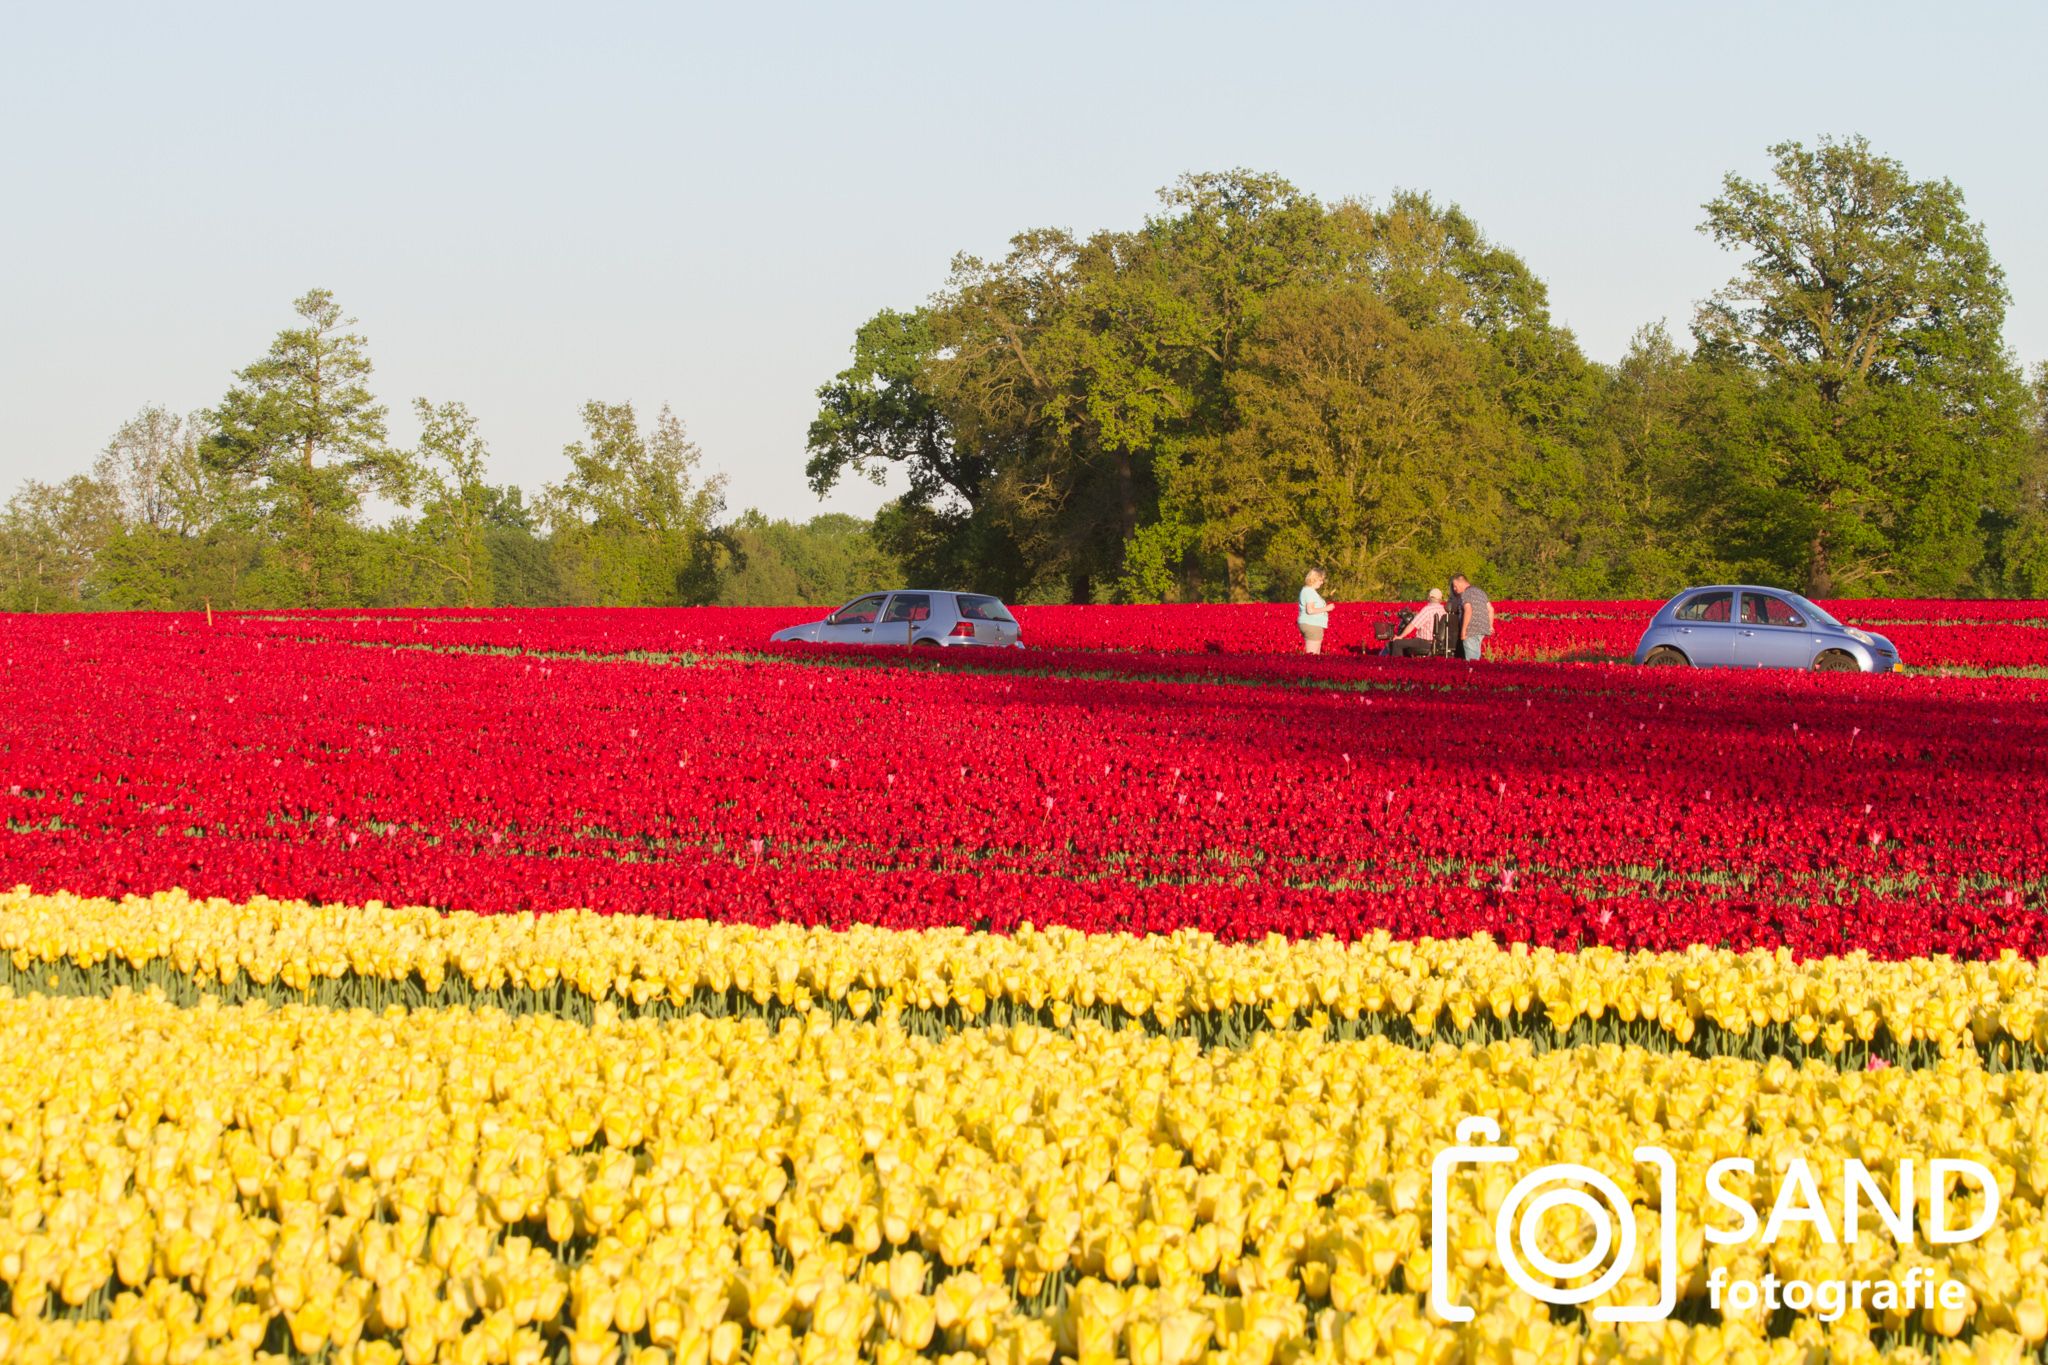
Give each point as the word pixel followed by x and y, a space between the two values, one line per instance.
pixel 1739 626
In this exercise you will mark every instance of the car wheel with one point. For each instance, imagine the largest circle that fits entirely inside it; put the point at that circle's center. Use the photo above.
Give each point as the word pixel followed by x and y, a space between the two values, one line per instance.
pixel 1664 656
pixel 1835 661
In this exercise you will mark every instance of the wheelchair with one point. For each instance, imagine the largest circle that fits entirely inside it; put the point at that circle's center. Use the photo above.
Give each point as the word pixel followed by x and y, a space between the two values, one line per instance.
pixel 1439 645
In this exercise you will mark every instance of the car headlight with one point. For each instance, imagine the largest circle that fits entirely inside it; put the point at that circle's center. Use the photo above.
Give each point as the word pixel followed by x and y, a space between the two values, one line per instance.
pixel 1861 636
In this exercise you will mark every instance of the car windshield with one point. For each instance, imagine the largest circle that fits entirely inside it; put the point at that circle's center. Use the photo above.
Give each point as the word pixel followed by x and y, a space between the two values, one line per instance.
pixel 1813 612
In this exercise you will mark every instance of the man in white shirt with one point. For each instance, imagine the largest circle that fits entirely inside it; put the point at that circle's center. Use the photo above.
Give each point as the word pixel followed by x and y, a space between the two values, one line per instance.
pixel 1420 636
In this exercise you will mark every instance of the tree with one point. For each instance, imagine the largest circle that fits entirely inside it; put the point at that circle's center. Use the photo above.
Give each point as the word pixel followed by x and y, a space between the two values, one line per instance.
pixel 523 570
pixel 1095 418
pixel 50 537
pixel 1433 265
pixel 1033 402
pixel 875 414
pixel 445 480
pixel 631 522
pixel 1013 469
pixel 1870 306
pixel 895 407
pixel 156 467
pixel 302 432
pixel 1365 445
pixel 1671 492
pixel 2022 548
pixel 1193 287
pixel 176 546
pixel 822 562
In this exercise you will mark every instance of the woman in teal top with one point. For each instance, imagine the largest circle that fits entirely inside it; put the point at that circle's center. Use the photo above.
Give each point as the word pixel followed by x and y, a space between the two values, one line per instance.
pixel 1314 616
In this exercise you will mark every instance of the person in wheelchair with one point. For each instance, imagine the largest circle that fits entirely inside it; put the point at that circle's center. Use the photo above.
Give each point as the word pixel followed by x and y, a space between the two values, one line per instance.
pixel 1419 637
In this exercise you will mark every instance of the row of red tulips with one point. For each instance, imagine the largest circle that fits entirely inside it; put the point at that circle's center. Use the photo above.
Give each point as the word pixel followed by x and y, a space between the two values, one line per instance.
pixel 1944 634
pixel 2002 635
pixel 1632 807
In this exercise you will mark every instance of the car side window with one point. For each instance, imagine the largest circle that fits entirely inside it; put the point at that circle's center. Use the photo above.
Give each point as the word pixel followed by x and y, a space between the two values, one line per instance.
pixel 1706 606
pixel 1752 609
pixel 981 608
pixel 859 612
pixel 1772 611
pixel 909 606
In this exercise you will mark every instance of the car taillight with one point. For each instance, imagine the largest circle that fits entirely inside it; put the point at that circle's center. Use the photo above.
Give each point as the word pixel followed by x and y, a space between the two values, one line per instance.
pixel 962 630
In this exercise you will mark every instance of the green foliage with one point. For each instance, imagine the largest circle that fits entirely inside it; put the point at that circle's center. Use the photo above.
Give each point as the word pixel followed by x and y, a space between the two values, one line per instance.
pixel 581 999
pixel 1249 381
pixel 2020 544
pixel 523 572
pixel 260 504
pixel 445 480
pixel 302 439
pixel 873 414
pixel 184 538
pixel 157 468
pixel 1252 381
pixel 1644 487
pixel 48 533
pixel 631 524
pixel 1888 435
pixel 822 562
pixel 1363 444
pixel 146 569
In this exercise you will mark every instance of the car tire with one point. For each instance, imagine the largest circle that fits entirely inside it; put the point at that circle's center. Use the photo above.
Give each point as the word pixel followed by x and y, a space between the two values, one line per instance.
pixel 1664 656
pixel 1835 661
pixel 928 641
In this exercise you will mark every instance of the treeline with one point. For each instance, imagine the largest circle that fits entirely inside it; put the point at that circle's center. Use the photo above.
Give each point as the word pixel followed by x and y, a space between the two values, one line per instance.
pixel 1253 381
pixel 265 499
pixel 1249 383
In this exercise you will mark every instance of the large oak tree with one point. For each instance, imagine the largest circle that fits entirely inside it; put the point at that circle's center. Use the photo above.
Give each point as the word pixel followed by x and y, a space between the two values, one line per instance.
pixel 1869 312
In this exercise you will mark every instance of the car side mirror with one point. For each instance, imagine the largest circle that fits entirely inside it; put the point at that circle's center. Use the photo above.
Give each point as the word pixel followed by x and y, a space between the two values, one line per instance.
pixel 832 619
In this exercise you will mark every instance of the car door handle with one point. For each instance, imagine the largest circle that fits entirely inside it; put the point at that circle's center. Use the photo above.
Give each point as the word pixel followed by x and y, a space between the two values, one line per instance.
pixel 865 629
pixel 1749 632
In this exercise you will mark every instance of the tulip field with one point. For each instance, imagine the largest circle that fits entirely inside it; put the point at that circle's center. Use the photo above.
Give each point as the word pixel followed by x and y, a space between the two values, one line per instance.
pixel 614 988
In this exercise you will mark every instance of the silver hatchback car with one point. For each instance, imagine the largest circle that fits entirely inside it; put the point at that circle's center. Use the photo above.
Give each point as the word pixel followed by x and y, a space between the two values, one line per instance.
pixel 911 616
pixel 1739 626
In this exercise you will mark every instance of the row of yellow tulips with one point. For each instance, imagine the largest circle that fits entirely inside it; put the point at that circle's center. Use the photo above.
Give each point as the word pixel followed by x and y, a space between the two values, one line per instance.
pixel 1752 1003
pixel 180 1184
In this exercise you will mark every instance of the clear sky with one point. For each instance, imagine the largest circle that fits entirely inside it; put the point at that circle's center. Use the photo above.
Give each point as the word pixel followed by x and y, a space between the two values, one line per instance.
pixel 530 206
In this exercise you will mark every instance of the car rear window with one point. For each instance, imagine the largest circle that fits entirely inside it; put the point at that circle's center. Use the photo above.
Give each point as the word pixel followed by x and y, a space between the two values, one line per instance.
pixel 1706 606
pixel 982 609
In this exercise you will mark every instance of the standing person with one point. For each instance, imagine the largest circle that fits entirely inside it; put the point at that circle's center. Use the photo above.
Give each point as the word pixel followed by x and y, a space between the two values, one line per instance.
pixel 1420 636
pixel 1475 616
pixel 1314 616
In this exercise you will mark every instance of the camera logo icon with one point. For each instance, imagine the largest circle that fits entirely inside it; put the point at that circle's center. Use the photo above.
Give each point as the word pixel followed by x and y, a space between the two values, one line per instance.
pixel 1515 1232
